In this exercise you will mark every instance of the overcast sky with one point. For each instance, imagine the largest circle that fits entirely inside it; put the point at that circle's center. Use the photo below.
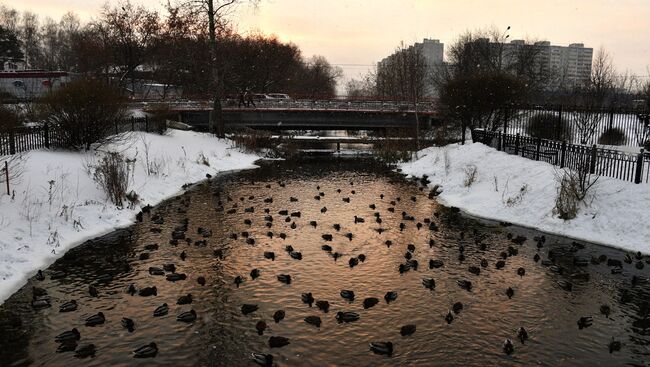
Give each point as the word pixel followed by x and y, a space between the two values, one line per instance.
pixel 357 33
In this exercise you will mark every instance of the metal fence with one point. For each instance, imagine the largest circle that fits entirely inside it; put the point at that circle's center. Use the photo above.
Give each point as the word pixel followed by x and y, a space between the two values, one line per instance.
pixel 611 126
pixel 22 139
pixel 633 167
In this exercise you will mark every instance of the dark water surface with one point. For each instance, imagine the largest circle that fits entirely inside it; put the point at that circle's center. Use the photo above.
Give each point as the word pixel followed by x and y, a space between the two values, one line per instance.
pixel 223 336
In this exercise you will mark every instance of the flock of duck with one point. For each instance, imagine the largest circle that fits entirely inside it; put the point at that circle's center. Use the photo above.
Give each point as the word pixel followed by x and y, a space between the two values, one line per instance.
pixel 69 340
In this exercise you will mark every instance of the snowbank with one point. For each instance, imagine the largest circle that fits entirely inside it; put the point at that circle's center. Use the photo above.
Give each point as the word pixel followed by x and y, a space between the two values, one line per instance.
pixel 58 206
pixel 521 191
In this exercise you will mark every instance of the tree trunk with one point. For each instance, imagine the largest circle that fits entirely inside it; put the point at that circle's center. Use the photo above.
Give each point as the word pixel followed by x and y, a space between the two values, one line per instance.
pixel 216 124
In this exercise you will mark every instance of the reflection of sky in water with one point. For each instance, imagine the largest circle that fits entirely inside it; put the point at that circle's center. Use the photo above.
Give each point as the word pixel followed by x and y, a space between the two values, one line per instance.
pixel 223 336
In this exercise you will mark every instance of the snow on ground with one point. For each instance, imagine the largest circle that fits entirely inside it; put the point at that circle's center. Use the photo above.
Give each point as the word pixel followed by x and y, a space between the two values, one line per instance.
pixel 57 205
pixel 521 191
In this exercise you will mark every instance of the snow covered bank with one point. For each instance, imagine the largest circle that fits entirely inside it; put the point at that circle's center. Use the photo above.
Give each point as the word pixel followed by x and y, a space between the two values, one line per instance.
pixel 521 191
pixel 57 205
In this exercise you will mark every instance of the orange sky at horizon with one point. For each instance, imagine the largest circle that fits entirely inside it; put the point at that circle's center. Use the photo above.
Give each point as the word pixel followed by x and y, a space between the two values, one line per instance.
pixel 355 34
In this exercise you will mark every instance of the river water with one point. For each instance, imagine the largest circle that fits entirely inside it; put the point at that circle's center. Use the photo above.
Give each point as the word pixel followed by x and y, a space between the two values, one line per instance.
pixel 223 336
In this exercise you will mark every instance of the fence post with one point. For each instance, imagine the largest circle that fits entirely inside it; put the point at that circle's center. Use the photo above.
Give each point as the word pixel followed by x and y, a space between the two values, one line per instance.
pixel 611 118
pixel 499 142
pixel 517 144
pixel 463 127
pixel 7 176
pixel 505 121
pixel 639 168
pixel 539 145
pixel 132 123
pixel 46 131
pixel 563 154
pixel 116 130
pixel 558 126
pixel 592 164
pixel 12 141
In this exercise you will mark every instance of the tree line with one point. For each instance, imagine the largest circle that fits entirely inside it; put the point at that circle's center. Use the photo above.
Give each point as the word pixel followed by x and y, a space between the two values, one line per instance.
pixel 128 43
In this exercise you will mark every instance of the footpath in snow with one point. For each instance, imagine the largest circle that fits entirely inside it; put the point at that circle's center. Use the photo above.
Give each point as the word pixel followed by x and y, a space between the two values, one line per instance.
pixel 521 191
pixel 56 205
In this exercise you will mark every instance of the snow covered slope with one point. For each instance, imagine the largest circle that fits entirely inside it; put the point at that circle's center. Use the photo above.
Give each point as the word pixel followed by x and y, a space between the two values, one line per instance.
pixel 522 191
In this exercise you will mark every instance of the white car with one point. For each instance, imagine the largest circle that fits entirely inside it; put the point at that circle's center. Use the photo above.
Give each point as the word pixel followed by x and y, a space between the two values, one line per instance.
pixel 279 96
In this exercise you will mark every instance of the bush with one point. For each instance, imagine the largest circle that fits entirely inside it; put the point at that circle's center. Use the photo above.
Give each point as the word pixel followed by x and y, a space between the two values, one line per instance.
pixel 85 112
pixel 470 175
pixel 544 125
pixel 112 176
pixel 566 203
pixel 8 117
pixel 612 136
pixel 251 140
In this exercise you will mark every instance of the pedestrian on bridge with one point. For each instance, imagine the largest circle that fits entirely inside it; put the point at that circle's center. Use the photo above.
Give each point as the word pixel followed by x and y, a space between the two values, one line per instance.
pixel 249 98
pixel 242 101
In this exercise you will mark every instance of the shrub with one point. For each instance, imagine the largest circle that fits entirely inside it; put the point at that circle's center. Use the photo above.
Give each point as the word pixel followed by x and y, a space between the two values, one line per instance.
pixel 470 175
pixel 85 112
pixel 112 176
pixel 566 203
pixel 8 117
pixel 612 136
pixel 251 140
pixel 544 125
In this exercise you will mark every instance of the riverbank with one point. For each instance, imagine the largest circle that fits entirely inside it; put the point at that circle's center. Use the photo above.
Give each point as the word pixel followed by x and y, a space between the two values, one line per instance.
pixel 55 204
pixel 521 191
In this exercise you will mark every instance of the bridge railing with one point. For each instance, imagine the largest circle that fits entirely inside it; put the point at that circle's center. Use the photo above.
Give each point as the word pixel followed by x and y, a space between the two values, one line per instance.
pixel 300 104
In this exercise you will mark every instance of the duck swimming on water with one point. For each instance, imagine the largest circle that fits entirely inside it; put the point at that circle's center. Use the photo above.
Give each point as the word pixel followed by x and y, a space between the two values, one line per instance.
pixel 146 351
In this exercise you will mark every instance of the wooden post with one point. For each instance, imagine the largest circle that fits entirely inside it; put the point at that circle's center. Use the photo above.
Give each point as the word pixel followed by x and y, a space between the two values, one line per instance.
pixel 46 132
pixel 517 144
pixel 505 122
pixel 12 142
pixel 563 154
pixel 132 123
pixel 611 118
pixel 592 164
pixel 338 147
pixel 7 176
pixel 539 144
pixel 116 129
pixel 637 175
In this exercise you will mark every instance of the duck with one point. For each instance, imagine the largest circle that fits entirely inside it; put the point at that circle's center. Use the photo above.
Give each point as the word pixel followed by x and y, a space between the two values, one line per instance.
pixel 465 284
pixel 238 280
pixel 313 320
pixel 201 280
pixel 265 360
pixel 260 327
pixel 605 310
pixel 278 316
pixel 68 335
pixel 500 264
pixel 346 200
pixel 278 341
pixel 370 302
pixel 358 220
pixel 327 248
pixel 67 346
pixel 269 255
pixel 247 308
pixel 337 227
pixel 156 271
pixel 522 334
pixel 510 292
pixel 457 307
pixel 85 351
pixel 184 300
pixel 183 255
pixel 474 270
pixel 97 319
pixel 327 237
pixel 296 255
pixel 174 277
pixel 128 324
pixel 614 346
pixel 284 278
pixel 146 351
pixel 349 236
pixel 169 268
pixel 361 257
pixel 407 330
pixel 536 258
pixel 508 347
pixel 436 264
pixel 323 209
pixel 40 302
pixel 449 317
pixel 384 348
pixel 521 272
pixel 38 292
pixel 347 316
pixel 388 243
pixel 68 306
pixel 255 273
pixel 39 276
pixel 148 291
pixel 584 322
pixel 187 316
pixel 161 310
pixel 307 298
pixel 390 296
pixel 353 262
pixel 429 283
pixel 323 305
pixel 347 294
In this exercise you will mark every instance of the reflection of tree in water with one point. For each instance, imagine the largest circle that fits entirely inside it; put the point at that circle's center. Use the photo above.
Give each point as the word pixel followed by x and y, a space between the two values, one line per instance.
pixel 636 300
pixel 15 334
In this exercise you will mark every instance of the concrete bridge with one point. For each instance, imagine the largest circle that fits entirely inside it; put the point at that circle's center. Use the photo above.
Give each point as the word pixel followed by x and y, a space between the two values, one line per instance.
pixel 308 114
